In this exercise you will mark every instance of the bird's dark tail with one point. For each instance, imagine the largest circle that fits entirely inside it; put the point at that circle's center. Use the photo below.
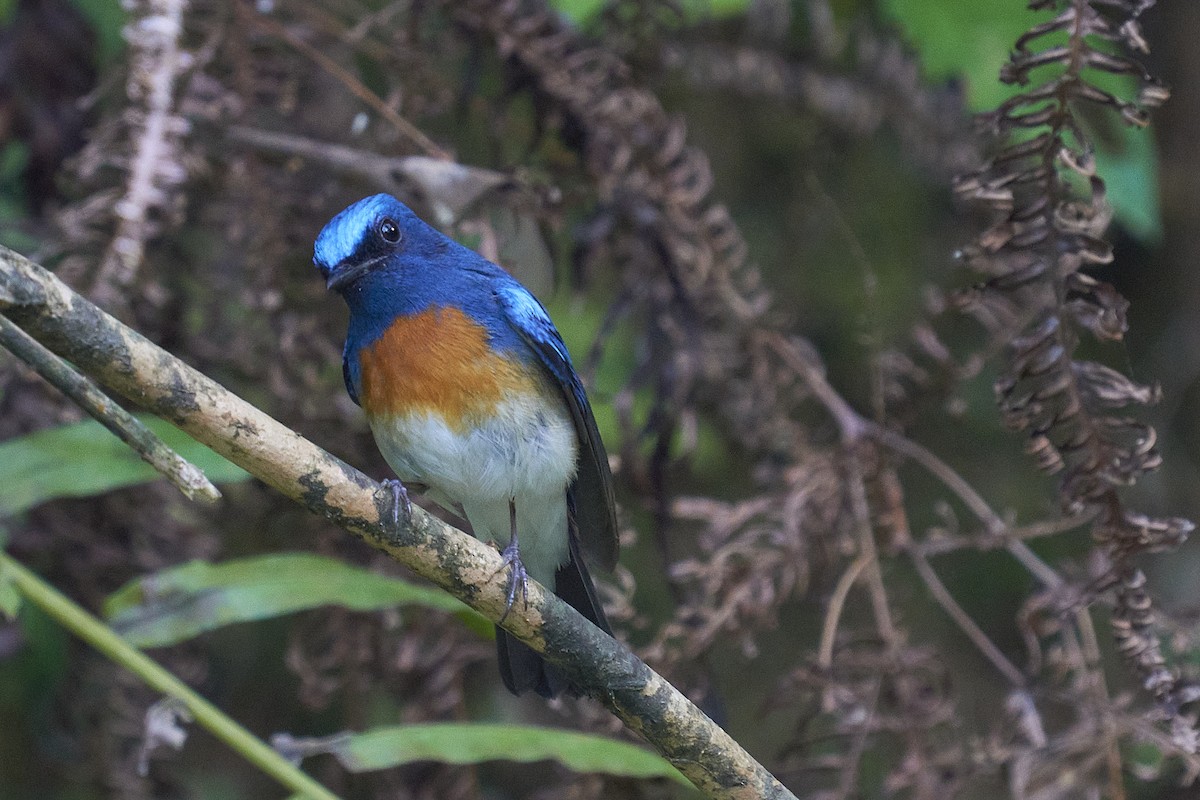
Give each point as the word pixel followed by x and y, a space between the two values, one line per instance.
pixel 521 668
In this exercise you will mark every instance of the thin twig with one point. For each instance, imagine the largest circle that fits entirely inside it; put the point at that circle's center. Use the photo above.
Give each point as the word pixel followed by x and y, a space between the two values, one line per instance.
pixel 866 545
pixel 450 187
pixel 972 499
pixel 854 426
pixel 852 423
pixel 851 767
pixel 383 171
pixel 849 421
pixel 906 447
pixel 356 87
pixel 992 521
pixel 1090 646
pixel 943 597
pixel 154 451
pixel 945 543
pixel 833 615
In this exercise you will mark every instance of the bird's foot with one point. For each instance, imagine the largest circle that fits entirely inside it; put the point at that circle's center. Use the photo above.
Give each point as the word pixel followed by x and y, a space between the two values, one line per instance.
pixel 397 503
pixel 517 576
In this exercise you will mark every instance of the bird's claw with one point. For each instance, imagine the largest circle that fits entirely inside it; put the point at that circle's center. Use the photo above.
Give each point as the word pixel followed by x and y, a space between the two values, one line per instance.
pixel 398 500
pixel 518 578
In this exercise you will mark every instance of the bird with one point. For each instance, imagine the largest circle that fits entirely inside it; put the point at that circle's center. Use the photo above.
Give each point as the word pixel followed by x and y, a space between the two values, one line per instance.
pixel 470 393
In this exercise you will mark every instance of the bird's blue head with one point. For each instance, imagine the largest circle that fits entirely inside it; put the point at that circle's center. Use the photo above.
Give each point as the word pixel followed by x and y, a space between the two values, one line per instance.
pixel 364 237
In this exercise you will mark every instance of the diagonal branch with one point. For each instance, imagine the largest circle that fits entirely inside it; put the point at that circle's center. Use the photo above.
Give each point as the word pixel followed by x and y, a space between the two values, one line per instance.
pixel 606 670
pixel 187 477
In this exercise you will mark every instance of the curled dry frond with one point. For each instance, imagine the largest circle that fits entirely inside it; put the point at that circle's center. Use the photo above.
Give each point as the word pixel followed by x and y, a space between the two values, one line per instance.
pixel 1049 218
pixel 754 557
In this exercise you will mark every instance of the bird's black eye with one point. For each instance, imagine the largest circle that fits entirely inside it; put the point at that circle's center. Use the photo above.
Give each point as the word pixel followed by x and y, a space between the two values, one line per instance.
pixel 389 231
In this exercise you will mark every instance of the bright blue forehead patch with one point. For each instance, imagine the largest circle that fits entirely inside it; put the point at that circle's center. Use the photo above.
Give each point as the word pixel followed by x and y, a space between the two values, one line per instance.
pixel 343 234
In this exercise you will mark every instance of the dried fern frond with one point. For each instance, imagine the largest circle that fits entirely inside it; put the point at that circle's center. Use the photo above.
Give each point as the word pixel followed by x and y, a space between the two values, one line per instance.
pixel 1049 218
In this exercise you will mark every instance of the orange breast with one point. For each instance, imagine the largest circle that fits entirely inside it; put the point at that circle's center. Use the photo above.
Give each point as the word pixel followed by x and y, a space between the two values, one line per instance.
pixel 438 361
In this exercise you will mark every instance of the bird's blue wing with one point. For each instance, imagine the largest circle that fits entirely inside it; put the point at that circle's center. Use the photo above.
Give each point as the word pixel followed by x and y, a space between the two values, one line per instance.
pixel 595 507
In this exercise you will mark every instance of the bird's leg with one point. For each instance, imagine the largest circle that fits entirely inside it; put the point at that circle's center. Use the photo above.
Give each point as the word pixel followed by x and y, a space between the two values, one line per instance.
pixel 397 502
pixel 517 577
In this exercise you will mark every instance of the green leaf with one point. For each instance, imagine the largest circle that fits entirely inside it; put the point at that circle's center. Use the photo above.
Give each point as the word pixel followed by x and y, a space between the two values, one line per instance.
pixel 971 41
pixel 10 598
pixel 1145 757
pixel 967 41
pixel 474 743
pixel 85 459
pixel 108 19
pixel 1129 168
pixel 582 12
pixel 578 11
pixel 185 601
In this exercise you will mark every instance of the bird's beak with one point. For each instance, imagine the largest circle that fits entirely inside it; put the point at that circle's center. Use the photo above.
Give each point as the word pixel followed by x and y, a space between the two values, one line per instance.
pixel 345 274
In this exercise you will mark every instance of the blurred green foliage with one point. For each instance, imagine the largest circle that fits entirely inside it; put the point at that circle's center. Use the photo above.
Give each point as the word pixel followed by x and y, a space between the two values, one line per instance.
pixel 108 19
pixel 85 459
pixel 474 743
pixel 583 11
pixel 969 42
pixel 176 604
pixel 14 156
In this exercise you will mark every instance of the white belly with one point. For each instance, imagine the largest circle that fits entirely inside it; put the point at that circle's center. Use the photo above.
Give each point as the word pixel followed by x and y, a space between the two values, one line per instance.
pixel 526 454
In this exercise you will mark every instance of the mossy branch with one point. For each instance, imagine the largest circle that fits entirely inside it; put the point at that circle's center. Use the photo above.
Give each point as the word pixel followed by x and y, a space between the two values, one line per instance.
pixel 129 364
